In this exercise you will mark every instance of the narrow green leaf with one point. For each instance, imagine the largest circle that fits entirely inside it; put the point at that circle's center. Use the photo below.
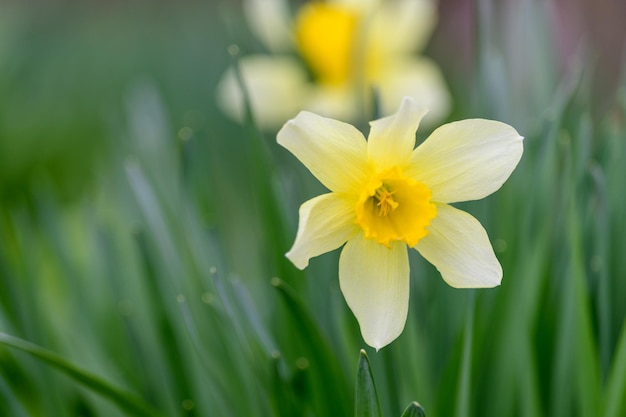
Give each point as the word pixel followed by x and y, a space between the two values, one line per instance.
pixel 283 398
pixel 124 400
pixel 234 52
pixel 463 393
pixel 615 401
pixel 588 382
pixel 414 410
pixel 10 404
pixel 330 381
pixel 366 399
pixel 601 238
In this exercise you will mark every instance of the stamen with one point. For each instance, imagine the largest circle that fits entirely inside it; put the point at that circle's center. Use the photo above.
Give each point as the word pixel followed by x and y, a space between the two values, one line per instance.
pixel 386 203
pixel 393 207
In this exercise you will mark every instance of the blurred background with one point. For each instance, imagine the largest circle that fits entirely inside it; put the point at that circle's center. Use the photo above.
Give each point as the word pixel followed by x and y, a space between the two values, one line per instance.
pixel 143 229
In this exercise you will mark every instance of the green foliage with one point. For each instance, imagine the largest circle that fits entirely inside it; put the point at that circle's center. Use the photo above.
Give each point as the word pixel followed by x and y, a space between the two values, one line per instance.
pixel 123 400
pixel 366 398
pixel 414 410
pixel 142 237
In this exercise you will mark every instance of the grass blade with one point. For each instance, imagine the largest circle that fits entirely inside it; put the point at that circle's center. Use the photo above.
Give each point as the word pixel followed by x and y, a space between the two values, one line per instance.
pixel 414 410
pixel 124 400
pixel 366 398
pixel 330 382
pixel 463 395
pixel 615 401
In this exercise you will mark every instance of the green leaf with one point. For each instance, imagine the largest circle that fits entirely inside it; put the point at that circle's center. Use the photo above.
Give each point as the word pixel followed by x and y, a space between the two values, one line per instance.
pixel 366 399
pixel 124 400
pixel 326 373
pixel 615 403
pixel 463 393
pixel 414 410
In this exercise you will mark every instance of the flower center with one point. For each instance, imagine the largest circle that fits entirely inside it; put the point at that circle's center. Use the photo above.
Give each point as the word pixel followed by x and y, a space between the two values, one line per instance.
pixel 330 39
pixel 385 201
pixel 394 207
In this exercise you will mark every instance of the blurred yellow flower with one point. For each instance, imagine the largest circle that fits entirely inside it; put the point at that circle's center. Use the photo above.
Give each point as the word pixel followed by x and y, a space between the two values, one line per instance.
pixel 345 50
pixel 386 195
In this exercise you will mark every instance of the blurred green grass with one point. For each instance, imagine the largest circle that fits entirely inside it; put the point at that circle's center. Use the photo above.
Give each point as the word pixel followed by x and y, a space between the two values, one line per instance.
pixel 140 232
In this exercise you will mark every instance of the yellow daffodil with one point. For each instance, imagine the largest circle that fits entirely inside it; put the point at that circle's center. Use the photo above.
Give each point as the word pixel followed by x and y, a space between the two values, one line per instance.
pixel 331 55
pixel 387 196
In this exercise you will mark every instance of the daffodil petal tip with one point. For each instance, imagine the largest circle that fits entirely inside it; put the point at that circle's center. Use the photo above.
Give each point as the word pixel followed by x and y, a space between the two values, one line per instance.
pixel 326 222
pixel 298 262
pixel 392 139
pixel 374 280
pixel 466 160
pixel 458 246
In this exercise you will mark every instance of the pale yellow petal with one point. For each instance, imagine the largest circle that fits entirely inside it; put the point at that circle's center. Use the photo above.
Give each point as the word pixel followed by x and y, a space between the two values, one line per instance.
pixel 374 280
pixel 404 25
pixel 276 86
pixel 270 20
pixel 326 222
pixel 466 160
pixel 420 79
pixel 392 138
pixel 458 246
pixel 335 152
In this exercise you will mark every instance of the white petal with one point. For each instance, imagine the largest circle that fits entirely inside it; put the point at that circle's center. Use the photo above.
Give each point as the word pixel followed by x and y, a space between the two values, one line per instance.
pixel 392 138
pixel 374 280
pixel 459 248
pixel 335 152
pixel 270 20
pixel 404 25
pixel 420 79
pixel 326 222
pixel 276 86
pixel 466 160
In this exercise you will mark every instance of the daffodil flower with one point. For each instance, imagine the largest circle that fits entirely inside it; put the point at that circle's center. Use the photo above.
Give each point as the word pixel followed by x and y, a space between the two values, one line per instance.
pixel 332 55
pixel 385 196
